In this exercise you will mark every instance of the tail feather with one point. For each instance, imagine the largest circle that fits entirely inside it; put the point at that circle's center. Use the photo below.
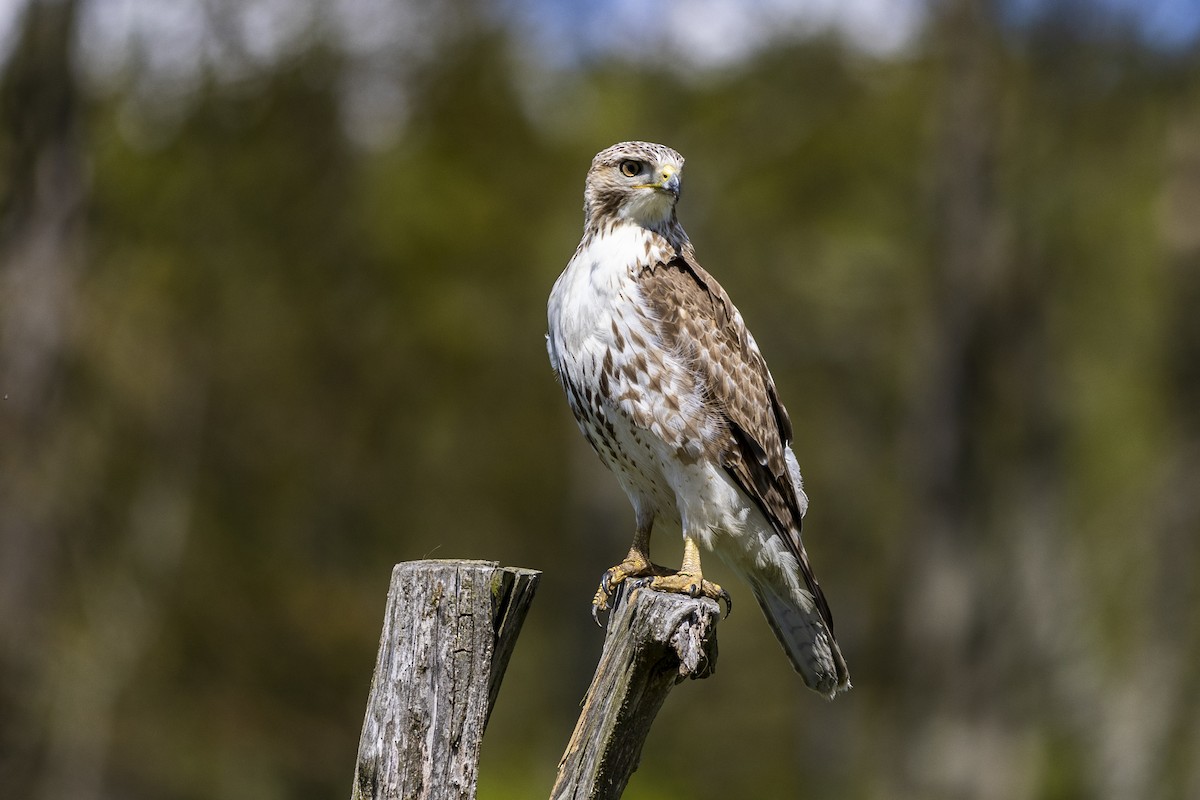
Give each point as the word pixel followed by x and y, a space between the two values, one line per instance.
pixel 807 640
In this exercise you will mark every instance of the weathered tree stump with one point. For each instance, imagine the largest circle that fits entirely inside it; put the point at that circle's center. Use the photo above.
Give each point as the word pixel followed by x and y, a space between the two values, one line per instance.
pixel 448 632
pixel 654 641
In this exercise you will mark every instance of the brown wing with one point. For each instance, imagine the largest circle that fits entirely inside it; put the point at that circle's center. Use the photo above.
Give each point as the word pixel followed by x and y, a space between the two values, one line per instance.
pixel 698 321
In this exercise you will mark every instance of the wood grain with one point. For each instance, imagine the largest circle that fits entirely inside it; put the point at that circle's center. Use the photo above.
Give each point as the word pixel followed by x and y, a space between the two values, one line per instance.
pixel 448 631
pixel 654 641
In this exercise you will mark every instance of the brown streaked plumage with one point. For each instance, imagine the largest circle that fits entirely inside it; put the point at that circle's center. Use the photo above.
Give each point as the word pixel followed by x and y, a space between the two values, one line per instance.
pixel 671 390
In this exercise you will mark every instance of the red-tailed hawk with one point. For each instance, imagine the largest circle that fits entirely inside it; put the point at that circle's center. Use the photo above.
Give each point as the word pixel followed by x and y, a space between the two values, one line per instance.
pixel 671 390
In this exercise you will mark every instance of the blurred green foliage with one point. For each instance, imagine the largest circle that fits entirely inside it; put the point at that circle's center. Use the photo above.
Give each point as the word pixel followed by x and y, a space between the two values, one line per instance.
pixel 287 360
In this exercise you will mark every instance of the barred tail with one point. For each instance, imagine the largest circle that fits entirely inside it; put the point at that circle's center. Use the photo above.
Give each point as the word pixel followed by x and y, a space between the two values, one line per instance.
pixel 806 638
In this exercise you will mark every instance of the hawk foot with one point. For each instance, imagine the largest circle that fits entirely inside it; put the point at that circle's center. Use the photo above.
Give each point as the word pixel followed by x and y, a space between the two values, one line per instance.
pixel 693 585
pixel 635 565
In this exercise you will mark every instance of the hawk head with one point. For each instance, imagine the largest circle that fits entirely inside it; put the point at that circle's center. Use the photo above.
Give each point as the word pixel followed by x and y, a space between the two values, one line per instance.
pixel 633 181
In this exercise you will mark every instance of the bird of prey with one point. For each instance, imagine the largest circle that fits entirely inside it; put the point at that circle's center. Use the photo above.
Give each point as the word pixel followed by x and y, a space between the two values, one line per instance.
pixel 670 389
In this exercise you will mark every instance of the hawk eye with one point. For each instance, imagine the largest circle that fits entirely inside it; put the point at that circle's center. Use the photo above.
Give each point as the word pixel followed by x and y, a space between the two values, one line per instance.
pixel 630 168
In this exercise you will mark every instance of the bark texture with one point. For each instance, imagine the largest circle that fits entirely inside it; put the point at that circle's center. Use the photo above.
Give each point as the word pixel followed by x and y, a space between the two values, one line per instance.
pixel 654 641
pixel 448 632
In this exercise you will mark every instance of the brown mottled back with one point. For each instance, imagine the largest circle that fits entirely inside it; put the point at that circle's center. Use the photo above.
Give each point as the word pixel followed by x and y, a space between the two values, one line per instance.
pixel 698 321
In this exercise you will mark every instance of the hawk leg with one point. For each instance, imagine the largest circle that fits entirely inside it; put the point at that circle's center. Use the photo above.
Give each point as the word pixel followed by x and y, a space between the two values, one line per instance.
pixel 636 565
pixel 689 579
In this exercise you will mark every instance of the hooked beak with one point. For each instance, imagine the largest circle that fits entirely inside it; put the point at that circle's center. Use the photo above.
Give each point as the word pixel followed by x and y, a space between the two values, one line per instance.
pixel 668 181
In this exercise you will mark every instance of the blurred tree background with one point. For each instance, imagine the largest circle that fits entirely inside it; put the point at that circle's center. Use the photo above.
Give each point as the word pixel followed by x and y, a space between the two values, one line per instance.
pixel 272 286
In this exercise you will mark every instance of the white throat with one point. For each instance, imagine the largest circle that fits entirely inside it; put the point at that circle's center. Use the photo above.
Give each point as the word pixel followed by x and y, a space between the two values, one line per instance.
pixel 649 208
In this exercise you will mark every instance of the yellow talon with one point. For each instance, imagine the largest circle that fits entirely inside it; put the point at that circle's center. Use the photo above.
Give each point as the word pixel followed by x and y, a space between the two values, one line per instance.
pixel 636 565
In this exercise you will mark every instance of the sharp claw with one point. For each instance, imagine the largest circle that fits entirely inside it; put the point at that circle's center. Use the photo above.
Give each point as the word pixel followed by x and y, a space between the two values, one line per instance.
pixel 728 603
pixel 600 602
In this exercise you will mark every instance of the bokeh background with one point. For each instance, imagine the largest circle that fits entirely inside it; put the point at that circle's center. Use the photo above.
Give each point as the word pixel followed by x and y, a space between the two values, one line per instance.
pixel 272 286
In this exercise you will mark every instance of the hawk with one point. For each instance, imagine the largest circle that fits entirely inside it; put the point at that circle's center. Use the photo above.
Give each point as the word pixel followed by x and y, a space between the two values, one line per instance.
pixel 670 389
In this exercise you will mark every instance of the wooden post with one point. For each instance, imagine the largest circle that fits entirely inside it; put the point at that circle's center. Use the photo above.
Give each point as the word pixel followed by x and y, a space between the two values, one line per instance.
pixel 448 631
pixel 654 641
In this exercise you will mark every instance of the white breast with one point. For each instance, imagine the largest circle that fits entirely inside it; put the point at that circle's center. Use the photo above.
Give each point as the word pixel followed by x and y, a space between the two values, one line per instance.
pixel 647 418
pixel 584 297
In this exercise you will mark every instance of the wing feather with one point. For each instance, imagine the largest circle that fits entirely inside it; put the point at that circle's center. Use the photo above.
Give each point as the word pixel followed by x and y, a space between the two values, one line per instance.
pixel 697 320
